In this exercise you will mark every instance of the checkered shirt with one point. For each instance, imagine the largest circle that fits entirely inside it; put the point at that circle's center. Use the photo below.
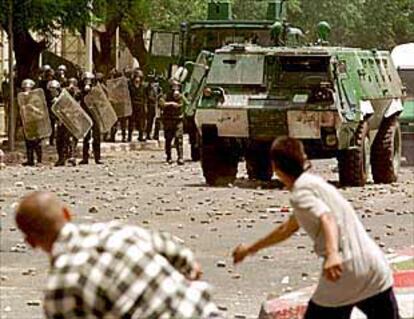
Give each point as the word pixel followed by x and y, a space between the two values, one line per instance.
pixel 116 271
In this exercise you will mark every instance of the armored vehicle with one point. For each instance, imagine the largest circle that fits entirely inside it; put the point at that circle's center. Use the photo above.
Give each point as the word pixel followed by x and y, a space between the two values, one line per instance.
pixel 340 102
pixel 403 57
pixel 169 50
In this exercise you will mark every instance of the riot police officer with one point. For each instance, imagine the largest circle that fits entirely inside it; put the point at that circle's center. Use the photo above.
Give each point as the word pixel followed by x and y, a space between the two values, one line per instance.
pixel 138 117
pixel 88 80
pixel 32 146
pixel 122 122
pixel 73 90
pixel 172 118
pixel 62 134
pixel 47 76
pixel 61 75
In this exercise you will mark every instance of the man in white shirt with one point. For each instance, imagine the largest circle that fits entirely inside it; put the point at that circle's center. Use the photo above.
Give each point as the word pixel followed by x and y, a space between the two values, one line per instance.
pixel 355 272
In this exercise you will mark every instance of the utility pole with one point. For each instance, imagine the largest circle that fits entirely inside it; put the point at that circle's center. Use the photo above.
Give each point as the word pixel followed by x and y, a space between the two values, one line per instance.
pixel 12 110
pixel 89 40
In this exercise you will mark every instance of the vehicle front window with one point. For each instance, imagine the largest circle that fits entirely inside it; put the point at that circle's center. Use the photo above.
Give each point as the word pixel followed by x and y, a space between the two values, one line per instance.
pixel 237 69
pixel 212 39
pixel 302 71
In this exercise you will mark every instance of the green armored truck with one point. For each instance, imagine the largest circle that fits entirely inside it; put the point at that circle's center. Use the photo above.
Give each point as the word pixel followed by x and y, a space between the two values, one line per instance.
pixel 341 102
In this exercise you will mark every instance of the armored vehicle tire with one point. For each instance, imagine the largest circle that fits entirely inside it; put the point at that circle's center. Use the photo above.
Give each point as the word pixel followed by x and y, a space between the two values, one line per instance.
pixel 354 164
pixel 386 152
pixel 219 161
pixel 258 163
pixel 195 153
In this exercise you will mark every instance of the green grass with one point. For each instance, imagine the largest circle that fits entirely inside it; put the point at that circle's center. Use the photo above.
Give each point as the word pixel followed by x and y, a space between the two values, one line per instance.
pixel 406 265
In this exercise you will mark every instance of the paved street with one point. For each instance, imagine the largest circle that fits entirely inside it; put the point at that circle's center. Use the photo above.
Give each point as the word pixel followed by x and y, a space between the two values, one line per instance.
pixel 138 188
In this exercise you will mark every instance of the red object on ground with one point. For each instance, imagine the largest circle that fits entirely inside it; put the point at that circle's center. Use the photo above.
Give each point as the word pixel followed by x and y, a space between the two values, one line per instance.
pixel 404 279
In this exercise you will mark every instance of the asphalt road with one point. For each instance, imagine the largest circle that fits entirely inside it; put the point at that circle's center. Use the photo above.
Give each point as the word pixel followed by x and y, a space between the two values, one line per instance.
pixel 139 188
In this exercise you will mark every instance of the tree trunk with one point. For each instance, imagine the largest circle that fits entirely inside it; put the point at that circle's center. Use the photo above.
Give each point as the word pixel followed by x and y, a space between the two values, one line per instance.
pixel 104 59
pixel 135 43
pixel 103 54
pixel 27 52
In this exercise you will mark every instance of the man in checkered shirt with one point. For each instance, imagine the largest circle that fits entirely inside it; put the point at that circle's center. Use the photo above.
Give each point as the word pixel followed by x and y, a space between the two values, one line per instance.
pixel 110 270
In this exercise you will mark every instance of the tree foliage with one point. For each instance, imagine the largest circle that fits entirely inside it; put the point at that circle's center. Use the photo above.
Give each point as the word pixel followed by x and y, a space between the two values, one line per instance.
pixel 40 17
pixel 362 23
pixel 44 17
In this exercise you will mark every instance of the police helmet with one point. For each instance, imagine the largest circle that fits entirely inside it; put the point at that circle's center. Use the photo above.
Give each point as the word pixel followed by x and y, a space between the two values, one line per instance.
pixel 53 85
pixel 73 82
pixel 175 85
pixel 99 76
pixel 28 84
pixel 46 68
pixel 62 68
pixel 88 76
pixel 137 72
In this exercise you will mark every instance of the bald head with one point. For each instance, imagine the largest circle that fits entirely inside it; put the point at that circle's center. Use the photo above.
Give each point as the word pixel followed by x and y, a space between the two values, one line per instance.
pixel 41 216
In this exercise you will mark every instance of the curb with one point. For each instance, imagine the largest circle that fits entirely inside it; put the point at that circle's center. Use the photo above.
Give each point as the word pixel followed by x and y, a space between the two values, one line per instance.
pixel 130 146
pixel 293 305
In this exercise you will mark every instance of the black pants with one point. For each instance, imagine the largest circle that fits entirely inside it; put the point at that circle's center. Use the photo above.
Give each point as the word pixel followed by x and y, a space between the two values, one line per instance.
pixel 62 143
pixel 32 147
pixel 124 124
pixel 137 121
pixel 380 306
pixel 173 131
pixel 94 133
pixel 73 144
pixel 53 124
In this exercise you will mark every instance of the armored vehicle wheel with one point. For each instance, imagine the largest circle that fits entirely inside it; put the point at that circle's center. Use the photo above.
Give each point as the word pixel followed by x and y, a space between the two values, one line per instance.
pixel 219 161
pixel 386 152
pixel 195 141
pixel 195 153
pixel 258 163
pixel 354 164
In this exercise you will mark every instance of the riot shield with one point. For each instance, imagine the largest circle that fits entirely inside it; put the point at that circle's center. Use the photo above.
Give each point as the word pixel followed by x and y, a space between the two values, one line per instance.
pixel 101 109
pixel 118 95
pixel 34 114
pixel 71 114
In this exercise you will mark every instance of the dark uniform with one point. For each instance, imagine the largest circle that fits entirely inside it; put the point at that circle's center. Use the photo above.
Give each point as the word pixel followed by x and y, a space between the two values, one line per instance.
pixel 153 93
pixel 62 133
pixel 172 119
pixel 138 118
pixel 95 132
pixel 32 147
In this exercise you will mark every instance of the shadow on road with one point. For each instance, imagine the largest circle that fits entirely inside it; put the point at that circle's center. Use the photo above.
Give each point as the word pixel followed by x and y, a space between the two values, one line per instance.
pixel 244 183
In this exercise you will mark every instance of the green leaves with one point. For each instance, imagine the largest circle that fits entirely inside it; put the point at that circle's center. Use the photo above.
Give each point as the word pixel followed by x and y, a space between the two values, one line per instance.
pixel 44 16
pixel 362 23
